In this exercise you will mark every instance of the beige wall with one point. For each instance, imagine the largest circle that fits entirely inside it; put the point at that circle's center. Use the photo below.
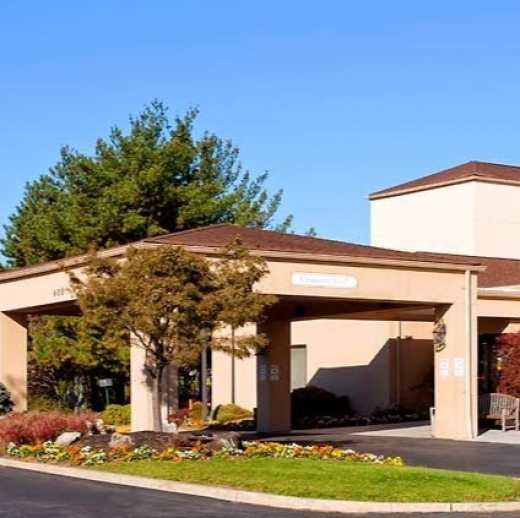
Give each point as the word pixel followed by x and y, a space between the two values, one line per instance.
pixel 497 220
pixel 35 291
pixel 245 379
pixel 348 358
pixel 472 218
pixel 13 357
pixel 374 282
pixel 363 360
pixel 434 220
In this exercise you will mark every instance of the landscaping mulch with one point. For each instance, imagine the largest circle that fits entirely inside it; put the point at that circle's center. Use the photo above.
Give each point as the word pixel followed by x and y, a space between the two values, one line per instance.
pixel 159 441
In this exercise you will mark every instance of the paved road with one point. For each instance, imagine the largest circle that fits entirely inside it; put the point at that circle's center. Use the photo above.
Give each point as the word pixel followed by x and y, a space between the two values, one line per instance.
pixel 24 494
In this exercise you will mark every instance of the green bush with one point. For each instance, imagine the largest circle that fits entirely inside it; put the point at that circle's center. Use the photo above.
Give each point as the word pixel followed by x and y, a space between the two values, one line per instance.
pixel 6 403
pixel 230 412
pixel 119 415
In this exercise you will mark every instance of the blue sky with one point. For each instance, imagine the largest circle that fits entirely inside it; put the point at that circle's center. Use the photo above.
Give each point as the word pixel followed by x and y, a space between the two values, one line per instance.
pixel 336 99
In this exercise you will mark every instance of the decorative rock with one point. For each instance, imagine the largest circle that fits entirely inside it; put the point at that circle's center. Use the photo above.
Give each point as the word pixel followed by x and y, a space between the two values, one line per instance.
pixel 67 438
pixel 103 428
pixel 170 428
pixel 119 440
pixel 226 440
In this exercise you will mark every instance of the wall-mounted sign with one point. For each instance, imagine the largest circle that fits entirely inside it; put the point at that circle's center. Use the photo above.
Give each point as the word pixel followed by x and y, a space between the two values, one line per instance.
pixel 262 372
pixel 274 373
pixel 444 367
pixel 58 292
pixel 459 367
pixel 324 280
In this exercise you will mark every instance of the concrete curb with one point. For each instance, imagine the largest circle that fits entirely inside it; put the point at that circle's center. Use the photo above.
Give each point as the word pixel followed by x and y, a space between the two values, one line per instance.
pixel 262 499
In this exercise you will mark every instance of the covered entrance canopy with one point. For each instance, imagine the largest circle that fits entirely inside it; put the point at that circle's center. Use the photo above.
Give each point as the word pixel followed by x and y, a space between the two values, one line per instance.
pixel 313 278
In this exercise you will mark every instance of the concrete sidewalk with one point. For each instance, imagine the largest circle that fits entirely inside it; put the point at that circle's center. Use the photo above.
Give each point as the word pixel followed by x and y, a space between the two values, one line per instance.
pixel 425 431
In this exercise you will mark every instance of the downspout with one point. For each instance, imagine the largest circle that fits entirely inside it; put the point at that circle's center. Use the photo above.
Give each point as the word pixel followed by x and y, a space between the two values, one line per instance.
pixel 469 361
pixel 398 363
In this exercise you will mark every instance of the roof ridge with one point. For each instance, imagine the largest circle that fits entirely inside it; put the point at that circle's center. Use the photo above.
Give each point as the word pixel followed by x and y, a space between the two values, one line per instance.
pixel 498 164
pixel 464 172
pixel 190 231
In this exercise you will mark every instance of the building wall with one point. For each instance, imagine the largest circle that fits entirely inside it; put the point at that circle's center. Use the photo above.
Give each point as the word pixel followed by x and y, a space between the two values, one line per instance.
pixel 434 220
pixel 497 220
pixel 364 360
pixel 473 218
pixel 349 358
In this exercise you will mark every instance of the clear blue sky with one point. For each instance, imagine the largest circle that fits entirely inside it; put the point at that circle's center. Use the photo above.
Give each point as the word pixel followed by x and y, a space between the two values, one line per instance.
pixel 336 98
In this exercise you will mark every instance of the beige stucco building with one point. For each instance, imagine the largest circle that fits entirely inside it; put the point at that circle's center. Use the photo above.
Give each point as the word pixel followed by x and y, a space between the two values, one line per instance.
pixel 355 319
pixel 469 210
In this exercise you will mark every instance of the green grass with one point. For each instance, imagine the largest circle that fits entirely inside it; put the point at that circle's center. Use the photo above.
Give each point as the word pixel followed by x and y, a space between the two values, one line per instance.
pixel 331 479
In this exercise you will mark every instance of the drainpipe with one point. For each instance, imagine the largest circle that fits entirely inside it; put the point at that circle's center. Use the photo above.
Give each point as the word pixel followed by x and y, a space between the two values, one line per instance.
pixel 469 362
pixel 398 363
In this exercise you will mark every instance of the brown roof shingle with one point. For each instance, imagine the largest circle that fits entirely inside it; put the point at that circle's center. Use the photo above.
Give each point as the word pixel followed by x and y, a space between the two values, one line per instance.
pixel 499 272
pixel 460 173
pixel 217 236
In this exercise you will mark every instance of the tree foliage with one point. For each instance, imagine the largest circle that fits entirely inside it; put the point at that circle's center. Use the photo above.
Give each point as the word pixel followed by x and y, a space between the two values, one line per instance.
pixel 156 178
pixel 168 300
pixel 237 272
pixel 67 343
pixel 508 361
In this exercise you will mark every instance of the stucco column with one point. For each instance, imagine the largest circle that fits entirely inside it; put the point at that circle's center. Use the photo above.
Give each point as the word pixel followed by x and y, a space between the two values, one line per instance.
pixel 455 369
pixel 13 357
pixel 274 378
pixel 141 390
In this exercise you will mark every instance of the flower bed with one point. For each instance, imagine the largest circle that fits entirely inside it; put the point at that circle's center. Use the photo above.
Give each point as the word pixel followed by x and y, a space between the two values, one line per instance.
pixel 37 427
pixel 86 456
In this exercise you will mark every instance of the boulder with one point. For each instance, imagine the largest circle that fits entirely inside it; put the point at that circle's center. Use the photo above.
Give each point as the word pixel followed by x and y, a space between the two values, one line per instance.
pixel 170 428
pixel 67 438
pixel 225 440
pixel 119 440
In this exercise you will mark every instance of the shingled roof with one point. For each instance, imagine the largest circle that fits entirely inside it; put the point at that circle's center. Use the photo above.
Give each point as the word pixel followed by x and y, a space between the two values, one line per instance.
pixel 500 272
pixel 218 236
pixel 482 171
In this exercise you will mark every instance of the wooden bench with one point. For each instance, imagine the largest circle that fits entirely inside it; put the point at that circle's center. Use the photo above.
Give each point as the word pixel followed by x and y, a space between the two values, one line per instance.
pixel 501 408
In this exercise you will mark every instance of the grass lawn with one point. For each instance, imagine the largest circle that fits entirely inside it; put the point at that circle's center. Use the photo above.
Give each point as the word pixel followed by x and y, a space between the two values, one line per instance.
pixel 331 479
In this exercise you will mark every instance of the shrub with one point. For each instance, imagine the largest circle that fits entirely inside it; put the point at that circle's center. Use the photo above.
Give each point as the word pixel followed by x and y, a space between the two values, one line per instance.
pixel 314 401
pixel 6 403
pixel 230 412
pixel 44 403
pixel 196 411
pixel 35 428
pixel 119 415
pixel 180 416
pixel 508 363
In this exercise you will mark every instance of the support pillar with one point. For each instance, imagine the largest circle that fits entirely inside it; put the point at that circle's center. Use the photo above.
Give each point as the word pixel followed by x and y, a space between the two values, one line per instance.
pixel 141 390
pixel 274 378
pixel 13 357
pixel 456 369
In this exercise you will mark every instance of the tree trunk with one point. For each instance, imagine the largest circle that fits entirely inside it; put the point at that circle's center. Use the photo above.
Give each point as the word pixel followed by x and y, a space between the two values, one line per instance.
pixel 233 387
pixel 157 401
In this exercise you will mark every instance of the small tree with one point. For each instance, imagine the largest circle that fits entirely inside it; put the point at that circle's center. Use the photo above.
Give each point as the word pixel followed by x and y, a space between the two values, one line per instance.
pixel 239 304
pixel 508 363
pixel 168 300
pixel 6 403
